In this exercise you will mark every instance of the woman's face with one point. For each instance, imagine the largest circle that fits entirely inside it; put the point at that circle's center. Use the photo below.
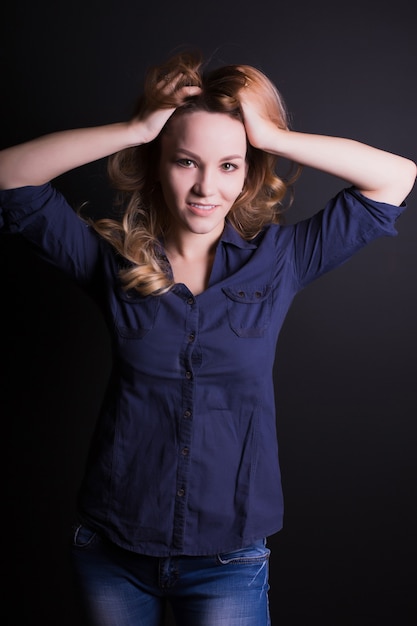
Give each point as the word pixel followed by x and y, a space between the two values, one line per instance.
pixel 202 170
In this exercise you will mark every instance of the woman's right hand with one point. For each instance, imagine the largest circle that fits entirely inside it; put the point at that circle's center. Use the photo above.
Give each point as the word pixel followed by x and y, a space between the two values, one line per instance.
pixel 40 160
pixel 151 121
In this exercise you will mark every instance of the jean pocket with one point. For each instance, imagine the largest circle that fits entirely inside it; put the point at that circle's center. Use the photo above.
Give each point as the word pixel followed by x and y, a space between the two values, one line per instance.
pixel 83 537
pixel 254 553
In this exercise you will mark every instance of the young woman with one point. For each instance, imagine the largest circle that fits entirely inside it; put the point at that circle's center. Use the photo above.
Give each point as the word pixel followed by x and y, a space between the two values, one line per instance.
pixel 182 484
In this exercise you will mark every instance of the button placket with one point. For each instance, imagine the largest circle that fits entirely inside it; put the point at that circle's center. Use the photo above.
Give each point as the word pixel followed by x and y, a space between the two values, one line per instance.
pixel 186 422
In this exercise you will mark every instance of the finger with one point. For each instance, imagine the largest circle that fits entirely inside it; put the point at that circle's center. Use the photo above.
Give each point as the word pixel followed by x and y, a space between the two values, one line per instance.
pixel 169 83
pixel 190 90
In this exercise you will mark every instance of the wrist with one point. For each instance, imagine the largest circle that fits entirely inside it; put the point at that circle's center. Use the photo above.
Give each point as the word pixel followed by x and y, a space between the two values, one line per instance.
pixel 275 141
pixel 138 133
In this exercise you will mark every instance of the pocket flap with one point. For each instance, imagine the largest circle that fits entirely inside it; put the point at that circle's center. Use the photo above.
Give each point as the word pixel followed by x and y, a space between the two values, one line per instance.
pixel 247 293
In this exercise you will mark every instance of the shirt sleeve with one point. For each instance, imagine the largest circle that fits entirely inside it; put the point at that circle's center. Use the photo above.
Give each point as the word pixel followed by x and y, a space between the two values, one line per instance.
pixel 348 223
pixel 44 218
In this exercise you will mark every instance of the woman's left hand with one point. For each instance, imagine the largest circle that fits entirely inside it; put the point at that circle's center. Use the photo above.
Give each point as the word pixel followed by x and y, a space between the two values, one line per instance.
pixel 378 174
pixel 262 132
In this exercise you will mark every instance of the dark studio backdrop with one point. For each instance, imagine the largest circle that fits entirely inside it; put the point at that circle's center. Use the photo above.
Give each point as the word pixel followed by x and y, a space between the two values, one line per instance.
pixel 346 366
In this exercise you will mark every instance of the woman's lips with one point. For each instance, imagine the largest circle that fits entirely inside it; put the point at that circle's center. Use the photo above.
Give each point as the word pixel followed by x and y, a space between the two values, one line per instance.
pixel 199 205
pixel 200 208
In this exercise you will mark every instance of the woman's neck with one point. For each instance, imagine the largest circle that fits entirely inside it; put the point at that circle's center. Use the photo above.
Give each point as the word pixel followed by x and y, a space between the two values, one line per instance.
pixel 191 260
pixel 191 246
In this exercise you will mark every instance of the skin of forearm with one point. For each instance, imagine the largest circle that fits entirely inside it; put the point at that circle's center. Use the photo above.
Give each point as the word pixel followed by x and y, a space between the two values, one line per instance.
pixel 378 174
pixel 40 160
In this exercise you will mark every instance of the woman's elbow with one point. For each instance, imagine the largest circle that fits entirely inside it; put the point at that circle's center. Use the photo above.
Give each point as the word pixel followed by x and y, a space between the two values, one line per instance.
pixel 407 178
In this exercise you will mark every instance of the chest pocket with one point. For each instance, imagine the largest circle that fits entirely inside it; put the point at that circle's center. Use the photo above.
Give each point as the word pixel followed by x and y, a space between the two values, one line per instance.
pixel 249 309
pixel 136 314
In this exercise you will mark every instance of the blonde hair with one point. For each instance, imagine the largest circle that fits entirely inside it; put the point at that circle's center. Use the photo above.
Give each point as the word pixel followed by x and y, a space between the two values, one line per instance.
pixel 133 171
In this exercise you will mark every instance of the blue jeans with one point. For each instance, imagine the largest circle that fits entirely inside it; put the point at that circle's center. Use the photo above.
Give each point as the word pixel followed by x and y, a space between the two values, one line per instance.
pixel 121 588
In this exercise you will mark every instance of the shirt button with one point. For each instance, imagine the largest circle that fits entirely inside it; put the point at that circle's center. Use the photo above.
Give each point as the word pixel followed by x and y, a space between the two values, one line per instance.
pixel 188 375
pixel 241 294
pixel 185 451
pixel 187 413
pixel 191 337
pixel 181 493
pixel 190 300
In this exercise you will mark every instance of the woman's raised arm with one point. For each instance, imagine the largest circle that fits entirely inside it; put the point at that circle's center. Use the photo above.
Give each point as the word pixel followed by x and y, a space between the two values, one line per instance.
pixel 379 175
pixel 40 160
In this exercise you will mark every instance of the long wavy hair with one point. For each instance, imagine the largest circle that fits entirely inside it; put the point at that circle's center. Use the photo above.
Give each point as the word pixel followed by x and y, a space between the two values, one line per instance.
pixel 144 220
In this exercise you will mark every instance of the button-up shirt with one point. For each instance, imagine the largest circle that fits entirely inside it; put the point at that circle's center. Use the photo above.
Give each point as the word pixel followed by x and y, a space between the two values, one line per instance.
pixel 184 459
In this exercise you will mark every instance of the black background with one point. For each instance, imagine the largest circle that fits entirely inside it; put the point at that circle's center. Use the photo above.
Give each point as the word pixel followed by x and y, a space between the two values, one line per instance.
pixel 346 366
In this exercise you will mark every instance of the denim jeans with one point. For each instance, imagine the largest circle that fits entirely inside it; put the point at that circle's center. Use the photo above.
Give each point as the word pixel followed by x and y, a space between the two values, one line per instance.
pixel 121 588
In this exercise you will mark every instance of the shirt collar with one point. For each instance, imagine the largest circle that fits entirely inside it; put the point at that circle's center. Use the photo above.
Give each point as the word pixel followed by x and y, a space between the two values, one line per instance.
pixel 231 236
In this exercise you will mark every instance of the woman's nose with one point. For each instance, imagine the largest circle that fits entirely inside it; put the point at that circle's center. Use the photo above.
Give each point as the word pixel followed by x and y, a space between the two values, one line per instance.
pixel 204 185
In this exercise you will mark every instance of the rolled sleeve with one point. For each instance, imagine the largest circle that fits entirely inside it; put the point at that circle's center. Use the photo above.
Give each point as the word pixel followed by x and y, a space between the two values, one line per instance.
pixel 347 223
pixel 43 217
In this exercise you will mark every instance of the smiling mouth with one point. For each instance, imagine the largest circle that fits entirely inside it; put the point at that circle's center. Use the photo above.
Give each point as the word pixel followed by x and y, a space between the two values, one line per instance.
pixel 202 207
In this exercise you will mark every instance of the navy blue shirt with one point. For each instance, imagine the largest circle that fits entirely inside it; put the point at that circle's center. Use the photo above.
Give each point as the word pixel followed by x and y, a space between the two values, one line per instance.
pixel 184 459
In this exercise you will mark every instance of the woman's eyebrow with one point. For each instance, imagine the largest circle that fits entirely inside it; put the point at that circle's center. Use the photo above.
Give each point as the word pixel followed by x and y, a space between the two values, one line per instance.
pixel 196 156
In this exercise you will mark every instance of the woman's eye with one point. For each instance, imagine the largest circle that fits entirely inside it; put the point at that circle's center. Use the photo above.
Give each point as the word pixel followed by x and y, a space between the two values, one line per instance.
pixel 185 162
pixel 229 167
